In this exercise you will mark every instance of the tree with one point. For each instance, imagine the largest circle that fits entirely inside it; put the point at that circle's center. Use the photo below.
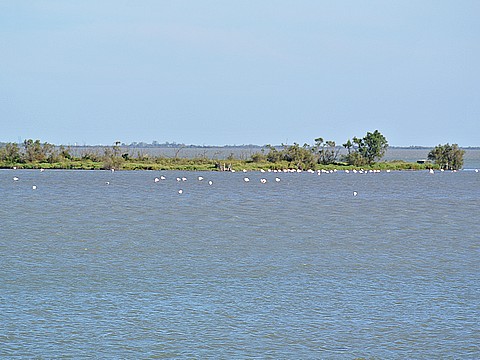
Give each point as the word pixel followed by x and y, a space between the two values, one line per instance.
pixel 367 150
pixel 10 153
pixel 35 151
pixel 273 154
pixel 258 156
pixel 348 145
pixel 112 158
pixel 374 146
pixel 448 157
pixel 327 151
pixel 64 152
pixel 300 157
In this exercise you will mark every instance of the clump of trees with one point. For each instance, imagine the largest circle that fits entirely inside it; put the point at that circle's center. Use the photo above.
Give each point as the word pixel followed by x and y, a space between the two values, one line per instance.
pixel 296 156
pixel 360 152
pixel 36 152
pixel 111 157
pixel 326 151
pixel 33 152
pixel 447 157
pixel 366 150
pixel 10 153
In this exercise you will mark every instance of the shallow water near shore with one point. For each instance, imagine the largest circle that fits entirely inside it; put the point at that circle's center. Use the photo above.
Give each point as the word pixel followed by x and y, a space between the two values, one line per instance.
pixel 115 265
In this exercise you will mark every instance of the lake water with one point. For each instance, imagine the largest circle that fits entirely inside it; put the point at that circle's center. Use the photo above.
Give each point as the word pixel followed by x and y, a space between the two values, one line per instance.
pixel 295 269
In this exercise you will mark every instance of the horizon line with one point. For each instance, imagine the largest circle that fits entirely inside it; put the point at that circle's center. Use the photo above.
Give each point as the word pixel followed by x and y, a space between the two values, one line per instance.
pixel 174 144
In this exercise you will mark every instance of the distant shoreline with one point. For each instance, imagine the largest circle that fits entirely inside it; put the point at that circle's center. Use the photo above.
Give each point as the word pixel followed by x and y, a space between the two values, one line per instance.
pixel 143 145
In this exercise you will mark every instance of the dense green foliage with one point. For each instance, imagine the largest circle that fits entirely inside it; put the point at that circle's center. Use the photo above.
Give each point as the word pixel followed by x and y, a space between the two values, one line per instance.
pixel 296 156
pixel 448 157
pixel 32 151
pixel 366 150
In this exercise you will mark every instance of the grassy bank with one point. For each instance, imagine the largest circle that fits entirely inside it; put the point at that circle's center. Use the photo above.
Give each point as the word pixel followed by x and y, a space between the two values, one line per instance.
pixel 203 165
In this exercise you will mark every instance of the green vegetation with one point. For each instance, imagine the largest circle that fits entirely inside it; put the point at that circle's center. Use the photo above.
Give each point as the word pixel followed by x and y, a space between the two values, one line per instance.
pixel 360 153
pixel 447 157
pixel 368 149
pixel 327 151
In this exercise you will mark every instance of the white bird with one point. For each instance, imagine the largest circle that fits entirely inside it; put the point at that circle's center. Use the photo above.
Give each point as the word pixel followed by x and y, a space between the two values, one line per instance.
pixel 277 179
pixel 178 179
pixel 42 170
pixel 15 178
pixel 263 181
pixel 262 171
pixel 184 179
pixel 355 193
pixel 476 170
pixel 200 178
pixel 246 179
pixel 107 183
pixel 157 180
pixel 34 187
pixel 162 177
pixel 431 171
pixel 210 182
pixel 180 191
pixel 113 170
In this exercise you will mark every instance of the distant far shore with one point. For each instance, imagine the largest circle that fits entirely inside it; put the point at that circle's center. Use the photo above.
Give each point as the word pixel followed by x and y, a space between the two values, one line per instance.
pixel 174 145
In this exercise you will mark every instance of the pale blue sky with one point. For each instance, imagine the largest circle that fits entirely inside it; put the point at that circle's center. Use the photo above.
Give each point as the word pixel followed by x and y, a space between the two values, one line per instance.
pixel 240 72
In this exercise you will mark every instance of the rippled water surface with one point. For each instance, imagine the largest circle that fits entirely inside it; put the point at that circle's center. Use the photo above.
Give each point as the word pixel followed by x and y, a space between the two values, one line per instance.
pixel 115 265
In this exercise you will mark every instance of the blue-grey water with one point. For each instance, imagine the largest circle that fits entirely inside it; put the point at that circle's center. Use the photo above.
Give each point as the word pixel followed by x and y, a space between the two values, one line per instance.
pixel 99 264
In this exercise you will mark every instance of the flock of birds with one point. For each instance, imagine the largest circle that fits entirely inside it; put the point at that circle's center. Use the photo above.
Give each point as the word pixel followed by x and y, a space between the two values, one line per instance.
pixel 263 180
